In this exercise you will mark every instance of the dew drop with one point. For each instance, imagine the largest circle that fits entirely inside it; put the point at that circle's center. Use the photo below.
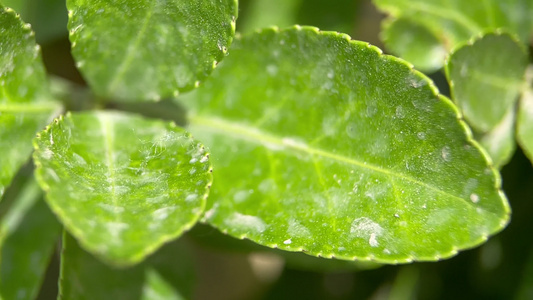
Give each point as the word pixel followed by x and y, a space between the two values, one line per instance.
pixel 400 114
pixel 287 242
pixel 474 197
pixel 445 153
pixel 421 135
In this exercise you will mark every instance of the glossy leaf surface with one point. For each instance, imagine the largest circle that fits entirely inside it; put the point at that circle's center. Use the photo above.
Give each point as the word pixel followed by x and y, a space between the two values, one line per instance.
pixel 25 101
pixel 168 274
pixel 354 156
pixel 28 236
pixel 143 182
pixel 147 50
pixel 455 22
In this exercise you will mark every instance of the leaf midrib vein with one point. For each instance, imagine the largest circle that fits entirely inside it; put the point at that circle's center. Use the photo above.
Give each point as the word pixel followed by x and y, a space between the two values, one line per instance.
pixel 243 132
pixel 121 70
pixel 107 132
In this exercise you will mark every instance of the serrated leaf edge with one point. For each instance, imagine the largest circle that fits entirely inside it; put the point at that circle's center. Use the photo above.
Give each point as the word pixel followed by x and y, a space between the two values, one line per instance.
pixel 469 141
pixel 78 234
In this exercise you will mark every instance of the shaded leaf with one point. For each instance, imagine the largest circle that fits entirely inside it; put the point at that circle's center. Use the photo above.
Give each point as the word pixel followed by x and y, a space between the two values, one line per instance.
pixel 25 101
pixel 48 17
pixel 28 235
pixel 525 118
pixel 355 156
pixel 413 42
pixel 143 182
pixel 455 22
pixel 486 85
pixel 337 15
pixel 148 50
pixel 167 274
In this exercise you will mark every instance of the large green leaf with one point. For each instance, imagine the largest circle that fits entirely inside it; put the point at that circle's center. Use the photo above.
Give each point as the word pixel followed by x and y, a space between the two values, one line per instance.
pixel 25 105
pixel 486 78
pixel 142 49
pixel 455 22
pixel 28 235
pixel 142 182
pixel 168 274
pixel 326 146
pixel 525 118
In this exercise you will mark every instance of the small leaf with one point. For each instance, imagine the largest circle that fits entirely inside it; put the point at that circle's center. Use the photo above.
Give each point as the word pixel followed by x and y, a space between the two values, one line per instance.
pixel 168 274
pixel 25 101
pixel 500 141
pixel 148 50
pixel 336 15
pixel 456 22
pixel 28 235
pixel 355 156
pixel 484 83
pixel 48 17
pixel 414 42
pixel 142 182
pixel 525 118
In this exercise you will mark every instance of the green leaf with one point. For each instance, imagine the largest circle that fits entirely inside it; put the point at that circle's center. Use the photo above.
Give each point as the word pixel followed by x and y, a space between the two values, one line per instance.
pixel 413 42
pixel 148 50
pixel 266 13
pixel 500 141
pixel 455 22
pixel 25 101
pixel 355 156
pixel 337 15
pixel 28 235
pixel 168 274
pixel 142 182
pixel 525 118
pixel 486 85
pixel 48 17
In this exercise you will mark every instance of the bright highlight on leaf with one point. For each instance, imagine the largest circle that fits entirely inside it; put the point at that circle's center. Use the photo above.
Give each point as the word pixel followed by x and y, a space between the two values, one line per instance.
pixel 121 184
pixel 486 78
pixel 148 50
pixel 25 101
pixel 354 156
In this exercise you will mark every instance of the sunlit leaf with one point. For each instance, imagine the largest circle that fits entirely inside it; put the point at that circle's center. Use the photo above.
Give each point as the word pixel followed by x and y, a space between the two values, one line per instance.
pixel 148 50
pixel 142 182
pixel 28 235
pixel 354 156
pixel 168 274
pixel 25 101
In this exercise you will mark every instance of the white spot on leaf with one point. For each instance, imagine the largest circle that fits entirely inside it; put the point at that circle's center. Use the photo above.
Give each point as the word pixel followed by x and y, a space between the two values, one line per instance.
pixel 246 223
